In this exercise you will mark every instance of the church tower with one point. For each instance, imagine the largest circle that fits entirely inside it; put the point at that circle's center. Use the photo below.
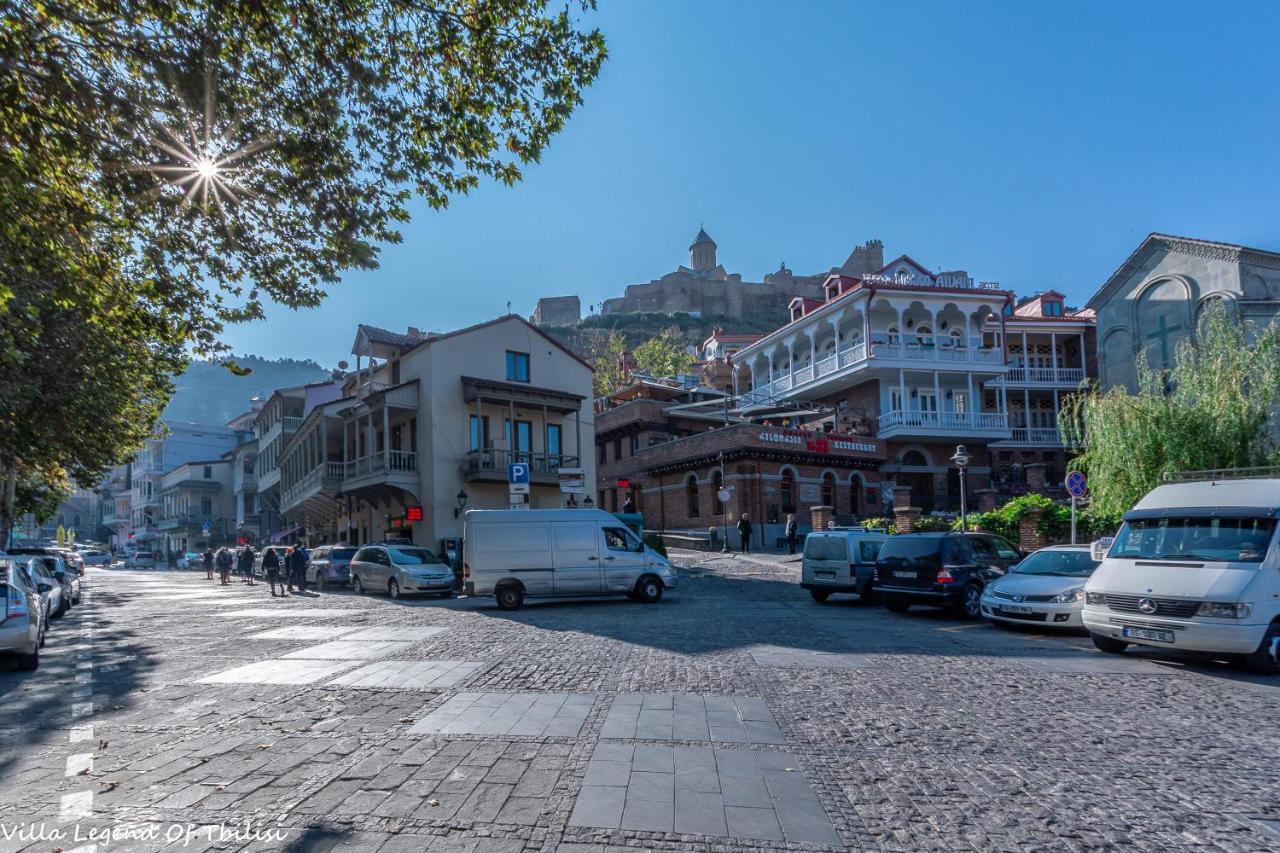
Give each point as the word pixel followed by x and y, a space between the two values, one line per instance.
pixel 702 252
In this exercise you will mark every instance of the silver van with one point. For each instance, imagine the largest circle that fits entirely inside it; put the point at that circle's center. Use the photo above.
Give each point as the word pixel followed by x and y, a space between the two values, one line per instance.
pixel 841 561
pixel 511 554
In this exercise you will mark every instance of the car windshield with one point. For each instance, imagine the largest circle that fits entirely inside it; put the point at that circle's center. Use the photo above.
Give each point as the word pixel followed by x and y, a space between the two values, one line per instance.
pixel 342 553
pixel 412 556
pixel 1242 540
pixel 1067 564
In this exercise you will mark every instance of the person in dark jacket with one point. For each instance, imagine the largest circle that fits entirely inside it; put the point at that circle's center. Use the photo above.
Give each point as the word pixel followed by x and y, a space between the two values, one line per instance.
pixel 297 569
pixel 744 530
pixel 790 532
pixel 244 565
pixel 628 506
pixel 207 559
pixel 271 568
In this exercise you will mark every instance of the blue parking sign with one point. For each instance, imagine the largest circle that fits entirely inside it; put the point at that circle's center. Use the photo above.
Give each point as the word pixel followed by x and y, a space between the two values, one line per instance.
pixel 1076 484
pixel 518 474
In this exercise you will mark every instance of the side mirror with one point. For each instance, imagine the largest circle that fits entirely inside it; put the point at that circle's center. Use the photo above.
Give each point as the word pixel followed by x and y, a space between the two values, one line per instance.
pixel 44 587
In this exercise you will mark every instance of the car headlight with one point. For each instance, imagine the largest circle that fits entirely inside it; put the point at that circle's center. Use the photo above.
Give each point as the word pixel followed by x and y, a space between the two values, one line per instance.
pixel 1095 598
pixel 1069 596
pixel 1226 609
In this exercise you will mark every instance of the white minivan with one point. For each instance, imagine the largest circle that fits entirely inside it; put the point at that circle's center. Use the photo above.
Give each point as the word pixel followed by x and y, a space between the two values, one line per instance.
pixel 1195 567
pixel 511 554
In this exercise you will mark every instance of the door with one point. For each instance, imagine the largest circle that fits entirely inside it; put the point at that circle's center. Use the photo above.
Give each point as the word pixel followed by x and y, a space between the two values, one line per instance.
pixel 576 556
pixel 522 444
pixel 623 556
pixel 1006 554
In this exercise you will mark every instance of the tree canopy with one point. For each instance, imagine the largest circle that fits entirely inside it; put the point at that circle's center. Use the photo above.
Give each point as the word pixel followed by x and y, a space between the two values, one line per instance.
pixel 664 355
pixel 1213 409
pixel 168 167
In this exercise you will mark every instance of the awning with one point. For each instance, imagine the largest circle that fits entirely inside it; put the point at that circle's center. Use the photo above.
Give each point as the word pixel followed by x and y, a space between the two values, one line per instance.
pixel 291 533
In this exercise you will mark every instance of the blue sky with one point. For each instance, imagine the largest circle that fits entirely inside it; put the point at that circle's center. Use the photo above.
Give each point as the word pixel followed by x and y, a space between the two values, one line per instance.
pixel 1031 143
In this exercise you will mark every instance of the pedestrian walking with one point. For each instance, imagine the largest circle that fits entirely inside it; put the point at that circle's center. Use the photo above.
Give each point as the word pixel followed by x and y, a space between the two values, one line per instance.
pixel 223 559
pixel 271 568
pixel 744 530
pixel 244 564
pixel 297 563
pixel 628 506
pixel 207 558
pixel 790 532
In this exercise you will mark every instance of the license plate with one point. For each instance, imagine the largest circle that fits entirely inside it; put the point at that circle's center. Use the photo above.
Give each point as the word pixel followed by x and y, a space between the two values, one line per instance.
pixel 905 575
pixel 1148 634
pixel 1014 608
pixel 825 574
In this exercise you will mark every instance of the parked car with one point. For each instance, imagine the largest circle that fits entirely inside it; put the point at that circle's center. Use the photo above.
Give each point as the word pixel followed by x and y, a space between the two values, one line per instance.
pixel 189 560
pixel 511 554
pixel 141 560
pixel 22 623
pixel 399 570
pixel 941 570
pixel 1046 588
pixel 1194 567
pixel 55 603
pixel 330 564
pixel 840 561
pixel 95 557
pixel 54 560
pixel 71 556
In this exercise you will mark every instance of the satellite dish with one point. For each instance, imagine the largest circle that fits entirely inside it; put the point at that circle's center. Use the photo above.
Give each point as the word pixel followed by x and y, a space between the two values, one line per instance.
pixel 342 365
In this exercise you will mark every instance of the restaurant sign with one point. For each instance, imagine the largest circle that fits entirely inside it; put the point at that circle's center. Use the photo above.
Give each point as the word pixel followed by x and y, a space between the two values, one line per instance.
pixel 817 442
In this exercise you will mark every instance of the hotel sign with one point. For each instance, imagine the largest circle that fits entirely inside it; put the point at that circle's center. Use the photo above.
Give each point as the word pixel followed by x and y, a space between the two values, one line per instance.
pixel 817 442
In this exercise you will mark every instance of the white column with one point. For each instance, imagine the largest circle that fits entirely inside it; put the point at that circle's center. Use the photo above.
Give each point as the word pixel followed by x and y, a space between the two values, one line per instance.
pixel 1053 353
pixel 1026 361
pixel 813 348
pixel 1026 406
pixel 971 404
pixel 937 398
pixel 736 368
pixel 386 436
pixel 902 387
pixel 1083 369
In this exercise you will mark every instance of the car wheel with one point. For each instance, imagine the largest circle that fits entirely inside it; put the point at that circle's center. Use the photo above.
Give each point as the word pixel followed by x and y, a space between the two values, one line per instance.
pixel 866 594
pixel 319 581
pixel 970 604
pixel 1266 658
pixel 393 588
pixel 649 590
pixel 448 594
pixel 509 597
pixel 29 663
pixel 1108 645
pixel 356 586
pixel 820 595
pixel 897 604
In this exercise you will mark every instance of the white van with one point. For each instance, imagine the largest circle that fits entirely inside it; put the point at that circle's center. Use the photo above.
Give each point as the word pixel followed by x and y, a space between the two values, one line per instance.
pixel 515 553
pixel 1196 567
pixel 840 560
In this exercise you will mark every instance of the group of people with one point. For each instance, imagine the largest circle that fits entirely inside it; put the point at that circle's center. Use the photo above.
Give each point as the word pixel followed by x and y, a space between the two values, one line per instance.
pixel 289 573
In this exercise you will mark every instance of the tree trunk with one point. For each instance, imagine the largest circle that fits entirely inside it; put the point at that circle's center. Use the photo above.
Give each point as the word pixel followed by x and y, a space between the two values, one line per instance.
pixel 7 501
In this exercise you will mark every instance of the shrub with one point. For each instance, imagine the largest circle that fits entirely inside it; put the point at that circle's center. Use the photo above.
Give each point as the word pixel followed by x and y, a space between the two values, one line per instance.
pixel 885 524
pixel 930 523
pixel 655 542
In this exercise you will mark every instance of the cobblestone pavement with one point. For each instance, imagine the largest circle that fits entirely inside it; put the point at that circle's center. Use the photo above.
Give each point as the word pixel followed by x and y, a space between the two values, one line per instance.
pixel 737 714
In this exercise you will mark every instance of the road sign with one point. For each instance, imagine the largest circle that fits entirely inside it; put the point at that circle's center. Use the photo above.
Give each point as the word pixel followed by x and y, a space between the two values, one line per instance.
pixel 724 495
pixel 1076 484
pixel 518 472
pixel 573 481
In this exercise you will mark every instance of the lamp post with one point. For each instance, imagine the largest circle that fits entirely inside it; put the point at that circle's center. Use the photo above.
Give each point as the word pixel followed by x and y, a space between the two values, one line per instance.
pixel 587 503
pixel 961 458
pixel 723 495
pixel 461 500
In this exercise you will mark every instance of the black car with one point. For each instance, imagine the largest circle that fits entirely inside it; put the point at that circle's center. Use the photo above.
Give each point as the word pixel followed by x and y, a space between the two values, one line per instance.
pixel 941 570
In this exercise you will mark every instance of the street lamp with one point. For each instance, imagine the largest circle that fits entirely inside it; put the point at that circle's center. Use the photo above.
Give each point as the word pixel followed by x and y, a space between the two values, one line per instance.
pixel 587 503
pixel 723 495
pixel 461 500
pixel 961 458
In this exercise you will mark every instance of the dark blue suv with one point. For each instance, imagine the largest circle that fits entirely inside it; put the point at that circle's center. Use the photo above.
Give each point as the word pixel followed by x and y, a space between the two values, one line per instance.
pixel 941 570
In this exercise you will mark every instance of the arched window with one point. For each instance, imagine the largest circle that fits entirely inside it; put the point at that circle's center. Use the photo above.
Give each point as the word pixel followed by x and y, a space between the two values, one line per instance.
pixel 893 333
pixel 957 336
pixel 788 491
pixel 915 458
pixel 829 489
pixel 691 492
pixel 717 483
pixel 924 333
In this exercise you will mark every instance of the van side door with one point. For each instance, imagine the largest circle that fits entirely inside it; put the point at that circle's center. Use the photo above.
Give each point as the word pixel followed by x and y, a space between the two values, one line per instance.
pixel 623 557
pixel 575 547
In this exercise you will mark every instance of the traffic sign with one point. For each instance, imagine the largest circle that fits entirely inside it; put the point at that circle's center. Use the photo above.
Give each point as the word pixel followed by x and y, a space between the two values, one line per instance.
pixel 517 473
pixel 724 495
pixel 1076 484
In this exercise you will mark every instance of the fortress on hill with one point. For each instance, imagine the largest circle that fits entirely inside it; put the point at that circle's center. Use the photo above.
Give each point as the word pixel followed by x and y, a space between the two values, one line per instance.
pixel 704 287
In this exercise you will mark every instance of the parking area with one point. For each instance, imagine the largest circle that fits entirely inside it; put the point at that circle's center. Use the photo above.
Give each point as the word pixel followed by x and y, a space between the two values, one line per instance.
pixel 735 714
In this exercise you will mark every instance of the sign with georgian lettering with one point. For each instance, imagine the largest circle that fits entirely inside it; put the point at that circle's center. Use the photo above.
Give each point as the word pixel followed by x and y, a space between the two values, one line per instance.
pixel 817 442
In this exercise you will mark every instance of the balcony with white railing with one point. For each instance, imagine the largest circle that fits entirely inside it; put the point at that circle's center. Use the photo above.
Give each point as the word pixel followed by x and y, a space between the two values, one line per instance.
pixel 1051 377
pixel 491 465
pixel 912 422
pixel 392 467
pixel 325 478
pixel 938 352
pixel 1031 437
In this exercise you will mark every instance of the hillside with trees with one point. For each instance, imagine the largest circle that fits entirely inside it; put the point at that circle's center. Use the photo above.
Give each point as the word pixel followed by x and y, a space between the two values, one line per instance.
pixel 207 392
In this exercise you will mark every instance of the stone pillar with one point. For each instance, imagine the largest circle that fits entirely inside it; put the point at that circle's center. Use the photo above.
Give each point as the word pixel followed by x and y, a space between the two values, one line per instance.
pixel 905 518
pixel 1029 536
pixel 821 516
pixel 1034 472
pixel 986 500
pixel 901 497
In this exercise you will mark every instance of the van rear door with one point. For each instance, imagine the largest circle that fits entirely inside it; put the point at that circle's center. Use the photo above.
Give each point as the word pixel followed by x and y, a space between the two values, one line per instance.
pixel 576 549
pixel 826 559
